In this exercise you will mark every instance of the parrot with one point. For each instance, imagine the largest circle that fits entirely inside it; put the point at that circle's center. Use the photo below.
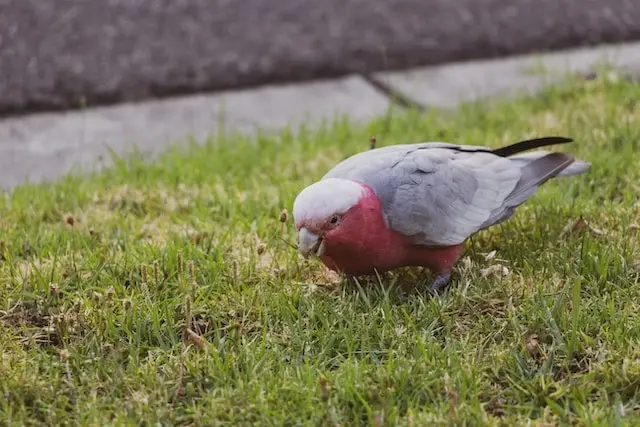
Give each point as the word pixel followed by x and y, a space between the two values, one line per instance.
pixel 416 204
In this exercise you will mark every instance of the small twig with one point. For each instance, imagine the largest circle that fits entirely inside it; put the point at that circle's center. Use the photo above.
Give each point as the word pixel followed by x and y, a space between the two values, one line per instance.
pixel 288 243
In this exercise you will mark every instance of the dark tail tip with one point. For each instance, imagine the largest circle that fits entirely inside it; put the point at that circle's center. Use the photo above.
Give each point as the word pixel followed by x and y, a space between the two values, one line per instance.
pixel 530 144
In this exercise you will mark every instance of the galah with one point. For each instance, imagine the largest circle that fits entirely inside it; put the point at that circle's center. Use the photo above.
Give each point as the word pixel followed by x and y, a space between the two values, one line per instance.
pixel 416 204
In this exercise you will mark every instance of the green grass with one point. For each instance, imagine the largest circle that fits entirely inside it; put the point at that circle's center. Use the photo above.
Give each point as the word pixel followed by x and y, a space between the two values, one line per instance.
pixel 101 275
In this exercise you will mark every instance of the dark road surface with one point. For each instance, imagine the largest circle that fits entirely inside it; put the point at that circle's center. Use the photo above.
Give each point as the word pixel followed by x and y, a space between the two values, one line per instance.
pixel 58 54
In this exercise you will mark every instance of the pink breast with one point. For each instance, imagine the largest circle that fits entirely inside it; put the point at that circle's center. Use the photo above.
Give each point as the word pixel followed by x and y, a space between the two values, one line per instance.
pixel 365 245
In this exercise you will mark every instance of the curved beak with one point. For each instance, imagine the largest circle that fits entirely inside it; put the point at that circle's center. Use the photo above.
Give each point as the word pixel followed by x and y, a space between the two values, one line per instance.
pixel 310 243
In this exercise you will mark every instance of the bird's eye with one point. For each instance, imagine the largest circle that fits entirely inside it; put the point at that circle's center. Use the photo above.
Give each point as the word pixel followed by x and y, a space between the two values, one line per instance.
pixel 334 220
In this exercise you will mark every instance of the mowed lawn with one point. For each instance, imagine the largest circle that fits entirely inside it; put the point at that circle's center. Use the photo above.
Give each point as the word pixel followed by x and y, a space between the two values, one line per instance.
pixel 168 292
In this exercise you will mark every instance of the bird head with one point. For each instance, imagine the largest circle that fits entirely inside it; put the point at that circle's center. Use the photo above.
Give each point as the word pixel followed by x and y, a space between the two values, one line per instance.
pixel 327 212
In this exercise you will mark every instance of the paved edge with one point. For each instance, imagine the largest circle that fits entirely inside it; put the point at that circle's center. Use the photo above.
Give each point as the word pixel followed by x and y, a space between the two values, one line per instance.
pixel 43 147
pixel 445 86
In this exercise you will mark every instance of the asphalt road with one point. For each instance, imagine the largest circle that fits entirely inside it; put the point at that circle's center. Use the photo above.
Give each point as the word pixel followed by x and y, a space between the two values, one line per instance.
pixel 57 54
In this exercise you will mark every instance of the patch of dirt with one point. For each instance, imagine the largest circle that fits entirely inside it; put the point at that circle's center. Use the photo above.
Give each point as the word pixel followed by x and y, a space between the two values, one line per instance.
pixel 43 330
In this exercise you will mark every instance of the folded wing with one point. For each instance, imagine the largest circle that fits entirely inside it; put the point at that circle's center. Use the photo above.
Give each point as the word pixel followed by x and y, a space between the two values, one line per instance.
pixel 439 194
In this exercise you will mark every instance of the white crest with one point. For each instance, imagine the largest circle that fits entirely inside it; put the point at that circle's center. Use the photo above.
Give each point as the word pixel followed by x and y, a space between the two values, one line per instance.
pixel 325 198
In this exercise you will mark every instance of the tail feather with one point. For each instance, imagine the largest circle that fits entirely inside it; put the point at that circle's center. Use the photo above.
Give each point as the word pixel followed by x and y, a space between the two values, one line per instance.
pixel 530 144
pixel 537 168
pixel 577 167
pixel 536 173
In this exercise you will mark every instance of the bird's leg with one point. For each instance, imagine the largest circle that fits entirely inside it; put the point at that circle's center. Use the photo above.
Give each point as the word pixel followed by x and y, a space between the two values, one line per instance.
pixel 440 283
pixel 441 262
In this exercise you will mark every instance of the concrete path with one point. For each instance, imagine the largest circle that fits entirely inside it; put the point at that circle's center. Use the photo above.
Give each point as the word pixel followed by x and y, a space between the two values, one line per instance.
pixel 59 54
pixel 44 146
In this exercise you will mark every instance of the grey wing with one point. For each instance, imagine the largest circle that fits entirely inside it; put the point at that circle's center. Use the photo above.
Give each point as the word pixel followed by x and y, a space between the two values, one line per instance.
pixel 439 193
pixel 443 196
pixel 377 168
pixel 435 192
pixel 363 165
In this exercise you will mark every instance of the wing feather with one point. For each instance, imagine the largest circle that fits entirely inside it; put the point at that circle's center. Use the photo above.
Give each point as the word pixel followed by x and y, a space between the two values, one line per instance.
pixel 464 191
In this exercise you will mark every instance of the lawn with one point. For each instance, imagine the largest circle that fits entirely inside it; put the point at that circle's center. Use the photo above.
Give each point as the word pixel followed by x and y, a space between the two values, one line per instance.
pixel 168 291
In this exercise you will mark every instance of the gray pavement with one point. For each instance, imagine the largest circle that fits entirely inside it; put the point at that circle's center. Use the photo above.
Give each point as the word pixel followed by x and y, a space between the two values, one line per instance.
pixel 57 54
pixel 449 84
pixel 46 145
